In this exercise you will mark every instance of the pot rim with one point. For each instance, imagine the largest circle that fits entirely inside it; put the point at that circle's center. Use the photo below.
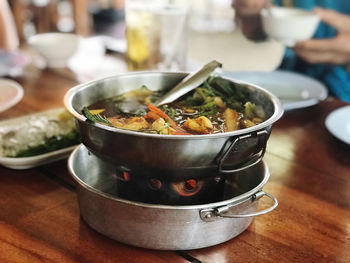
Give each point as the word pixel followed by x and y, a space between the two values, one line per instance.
pixel 278 112
pixel 235 200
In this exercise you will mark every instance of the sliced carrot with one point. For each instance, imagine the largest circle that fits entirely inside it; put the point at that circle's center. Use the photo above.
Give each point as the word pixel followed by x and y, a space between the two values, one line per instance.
pixel 152 115
pixel 162 114
pixel 157 110
pixel 156 113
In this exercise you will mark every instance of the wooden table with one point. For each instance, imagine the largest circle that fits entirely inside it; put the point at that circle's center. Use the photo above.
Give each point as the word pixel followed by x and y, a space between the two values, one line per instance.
pixel 310 176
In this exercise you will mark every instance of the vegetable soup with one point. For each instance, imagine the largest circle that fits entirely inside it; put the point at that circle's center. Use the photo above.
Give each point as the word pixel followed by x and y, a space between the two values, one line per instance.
pixel 216 106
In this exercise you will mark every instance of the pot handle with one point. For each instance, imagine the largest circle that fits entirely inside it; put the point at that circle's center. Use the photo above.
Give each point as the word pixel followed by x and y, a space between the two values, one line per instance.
pixel 258 156
pixel 212 214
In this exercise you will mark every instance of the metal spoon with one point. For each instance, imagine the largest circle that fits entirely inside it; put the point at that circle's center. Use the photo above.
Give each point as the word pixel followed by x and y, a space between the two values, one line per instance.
pixel 189 83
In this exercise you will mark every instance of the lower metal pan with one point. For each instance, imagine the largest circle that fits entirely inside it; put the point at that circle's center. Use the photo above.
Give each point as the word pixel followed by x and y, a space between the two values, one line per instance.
pixel 165 227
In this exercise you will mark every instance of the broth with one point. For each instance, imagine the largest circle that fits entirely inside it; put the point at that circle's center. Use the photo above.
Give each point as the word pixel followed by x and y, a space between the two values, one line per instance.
pixel 214 107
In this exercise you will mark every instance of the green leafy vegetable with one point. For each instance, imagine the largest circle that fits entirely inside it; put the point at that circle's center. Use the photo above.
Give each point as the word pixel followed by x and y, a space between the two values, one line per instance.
pixel 52 144
pixel 171 112
pixel 96 117
pixel 224 86
pixel 251 110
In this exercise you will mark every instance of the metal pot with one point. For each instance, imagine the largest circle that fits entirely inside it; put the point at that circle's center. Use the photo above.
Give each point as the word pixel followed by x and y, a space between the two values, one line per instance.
pixel 173 156
pixel 167 227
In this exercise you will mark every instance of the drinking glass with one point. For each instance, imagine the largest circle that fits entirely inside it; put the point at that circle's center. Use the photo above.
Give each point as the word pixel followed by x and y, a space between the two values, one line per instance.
pixel 156 33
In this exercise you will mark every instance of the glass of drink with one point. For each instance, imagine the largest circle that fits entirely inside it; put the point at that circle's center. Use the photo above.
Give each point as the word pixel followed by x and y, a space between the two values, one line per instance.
pixel 156 33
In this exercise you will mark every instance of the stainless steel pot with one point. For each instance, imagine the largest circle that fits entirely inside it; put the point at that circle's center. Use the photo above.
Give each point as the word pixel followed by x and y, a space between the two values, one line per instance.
pixel 167 227
pixel 173 156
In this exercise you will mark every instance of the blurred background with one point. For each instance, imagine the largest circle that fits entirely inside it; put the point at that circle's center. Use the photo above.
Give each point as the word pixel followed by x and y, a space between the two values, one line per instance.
pixel 85 17
pixel 212 34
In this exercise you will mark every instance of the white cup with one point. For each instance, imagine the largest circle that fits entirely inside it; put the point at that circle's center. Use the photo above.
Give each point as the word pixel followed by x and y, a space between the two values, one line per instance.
pixel 289 25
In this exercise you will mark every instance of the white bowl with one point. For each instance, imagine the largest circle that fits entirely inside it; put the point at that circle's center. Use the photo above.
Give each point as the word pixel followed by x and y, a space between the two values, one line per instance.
pixel 289 25
pixel 56 48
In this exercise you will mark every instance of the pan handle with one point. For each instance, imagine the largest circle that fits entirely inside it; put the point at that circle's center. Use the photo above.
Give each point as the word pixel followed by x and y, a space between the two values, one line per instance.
pixel 212 214
pixel 257 156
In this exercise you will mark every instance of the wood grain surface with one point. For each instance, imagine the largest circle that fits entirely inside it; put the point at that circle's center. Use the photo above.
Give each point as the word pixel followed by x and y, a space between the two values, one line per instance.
pixel 310 176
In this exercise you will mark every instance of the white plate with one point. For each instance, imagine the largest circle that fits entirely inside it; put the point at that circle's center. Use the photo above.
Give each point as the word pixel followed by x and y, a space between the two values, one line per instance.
pixel 21 163
pixel 10 93
pixel 293 89
pixel 338 123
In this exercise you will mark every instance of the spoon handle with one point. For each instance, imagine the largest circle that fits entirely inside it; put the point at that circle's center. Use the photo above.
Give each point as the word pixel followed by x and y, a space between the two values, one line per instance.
pixel 189 83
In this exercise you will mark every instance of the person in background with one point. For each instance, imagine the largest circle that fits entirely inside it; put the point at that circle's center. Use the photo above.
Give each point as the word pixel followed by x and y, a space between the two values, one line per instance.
pixel 325 57
pixel 8 33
